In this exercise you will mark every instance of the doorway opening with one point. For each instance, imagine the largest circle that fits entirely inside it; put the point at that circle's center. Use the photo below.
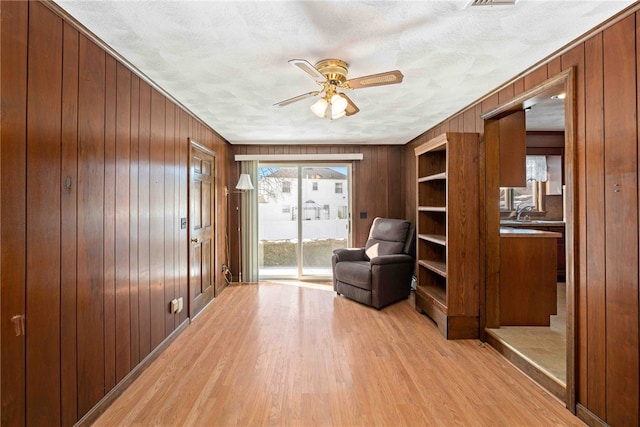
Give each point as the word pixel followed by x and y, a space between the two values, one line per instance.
pixel 304 213
pixel 545 352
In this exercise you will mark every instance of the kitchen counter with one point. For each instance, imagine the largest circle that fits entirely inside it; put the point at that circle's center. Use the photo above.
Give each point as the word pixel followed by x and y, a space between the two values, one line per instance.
pixel 528 289
pixel 532 223
pixel 544 225
pixel 526 232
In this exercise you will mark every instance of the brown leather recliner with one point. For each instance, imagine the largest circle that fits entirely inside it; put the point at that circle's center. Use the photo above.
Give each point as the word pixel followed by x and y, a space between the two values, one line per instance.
pixel 380 273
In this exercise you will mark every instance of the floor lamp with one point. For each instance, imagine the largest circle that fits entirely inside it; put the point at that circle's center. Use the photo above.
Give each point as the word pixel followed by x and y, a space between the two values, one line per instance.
pixel 244 184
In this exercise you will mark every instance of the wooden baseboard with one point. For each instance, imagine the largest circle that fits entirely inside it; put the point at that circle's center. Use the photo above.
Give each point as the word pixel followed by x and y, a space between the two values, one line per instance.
pixel 526 366
pixel 589 417
pixel 94 413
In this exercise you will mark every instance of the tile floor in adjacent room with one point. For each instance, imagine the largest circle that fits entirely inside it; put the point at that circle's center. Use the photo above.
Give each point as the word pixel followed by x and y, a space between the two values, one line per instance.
pixel 544 346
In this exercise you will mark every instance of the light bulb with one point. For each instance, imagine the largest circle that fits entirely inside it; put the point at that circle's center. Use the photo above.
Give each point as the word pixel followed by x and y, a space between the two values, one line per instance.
pixel 319 108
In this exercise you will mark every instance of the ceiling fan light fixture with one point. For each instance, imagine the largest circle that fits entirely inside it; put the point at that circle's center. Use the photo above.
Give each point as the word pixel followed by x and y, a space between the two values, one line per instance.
pixel 319 108
pixel 331 74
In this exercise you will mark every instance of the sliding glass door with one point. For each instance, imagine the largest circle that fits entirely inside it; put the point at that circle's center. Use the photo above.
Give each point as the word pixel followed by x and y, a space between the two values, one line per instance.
pixel 303 215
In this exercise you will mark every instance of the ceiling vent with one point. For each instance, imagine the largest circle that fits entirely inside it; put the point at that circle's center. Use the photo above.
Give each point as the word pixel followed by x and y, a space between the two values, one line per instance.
pixel 491 3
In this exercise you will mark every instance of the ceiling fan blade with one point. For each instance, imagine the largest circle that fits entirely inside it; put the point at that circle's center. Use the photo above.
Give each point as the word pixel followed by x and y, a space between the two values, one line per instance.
pixel 388 78
pixel 296 99
pixel 309 69
pixel 351 107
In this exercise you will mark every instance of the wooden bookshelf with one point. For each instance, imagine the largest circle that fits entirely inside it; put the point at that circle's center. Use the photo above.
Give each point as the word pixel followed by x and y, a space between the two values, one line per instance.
pixel 448 233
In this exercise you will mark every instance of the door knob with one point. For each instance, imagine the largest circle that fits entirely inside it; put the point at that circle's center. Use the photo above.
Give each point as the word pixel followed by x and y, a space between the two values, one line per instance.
pixel 18 325
pixel 194 240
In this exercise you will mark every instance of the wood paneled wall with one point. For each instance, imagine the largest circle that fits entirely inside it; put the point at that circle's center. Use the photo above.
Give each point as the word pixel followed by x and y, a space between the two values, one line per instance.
pixel 606 66
pixel 94 183
pixel 377 179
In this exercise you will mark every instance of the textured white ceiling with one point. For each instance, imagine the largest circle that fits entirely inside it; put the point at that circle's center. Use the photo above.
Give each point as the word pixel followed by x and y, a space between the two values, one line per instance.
pixel 227 61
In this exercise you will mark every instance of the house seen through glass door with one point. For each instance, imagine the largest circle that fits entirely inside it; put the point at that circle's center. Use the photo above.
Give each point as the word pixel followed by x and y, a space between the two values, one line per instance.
pixel 303 215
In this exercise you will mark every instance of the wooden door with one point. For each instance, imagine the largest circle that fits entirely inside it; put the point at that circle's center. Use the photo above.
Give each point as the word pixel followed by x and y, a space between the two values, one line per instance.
pixel 31 221
pixel 201 228
pixel 13 208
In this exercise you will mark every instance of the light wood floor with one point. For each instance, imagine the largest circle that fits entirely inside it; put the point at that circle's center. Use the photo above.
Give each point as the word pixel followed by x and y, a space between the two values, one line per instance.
pixel 276 354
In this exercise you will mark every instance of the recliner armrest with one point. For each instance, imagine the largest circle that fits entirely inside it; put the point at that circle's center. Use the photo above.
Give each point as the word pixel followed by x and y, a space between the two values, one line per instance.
pixel 391 259
pixel 350 254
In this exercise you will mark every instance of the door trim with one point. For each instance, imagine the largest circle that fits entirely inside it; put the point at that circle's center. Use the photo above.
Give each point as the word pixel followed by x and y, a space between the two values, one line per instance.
pixel 491 285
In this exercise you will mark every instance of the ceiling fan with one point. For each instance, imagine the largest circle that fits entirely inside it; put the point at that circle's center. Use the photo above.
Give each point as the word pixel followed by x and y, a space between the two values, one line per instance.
pixel 331 75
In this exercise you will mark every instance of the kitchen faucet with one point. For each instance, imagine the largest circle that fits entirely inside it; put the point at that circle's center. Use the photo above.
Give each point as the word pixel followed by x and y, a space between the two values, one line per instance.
pixel 522 208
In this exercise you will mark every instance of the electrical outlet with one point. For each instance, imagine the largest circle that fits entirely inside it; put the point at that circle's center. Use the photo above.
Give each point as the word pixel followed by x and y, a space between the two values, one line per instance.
pixel 224 268
pixel 173 306
pixel 180 304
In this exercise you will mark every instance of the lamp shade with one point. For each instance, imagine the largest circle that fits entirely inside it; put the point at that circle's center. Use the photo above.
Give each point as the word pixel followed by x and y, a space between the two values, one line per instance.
pixel 338 105
pixel 319 108
pixel 338 115
pixel 244 183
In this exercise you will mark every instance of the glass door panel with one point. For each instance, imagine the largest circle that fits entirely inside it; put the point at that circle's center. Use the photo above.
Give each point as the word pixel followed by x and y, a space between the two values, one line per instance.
pixel 278 221
pixel 324 220
pixel 303 215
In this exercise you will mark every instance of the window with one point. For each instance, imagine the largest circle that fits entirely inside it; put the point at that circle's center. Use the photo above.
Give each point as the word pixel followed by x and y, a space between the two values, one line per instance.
pixel 314 186
pixel 506 196
pixel 512 198
pixel 286 187
pixel 338 188
pixel 544 177
pixel 342 212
